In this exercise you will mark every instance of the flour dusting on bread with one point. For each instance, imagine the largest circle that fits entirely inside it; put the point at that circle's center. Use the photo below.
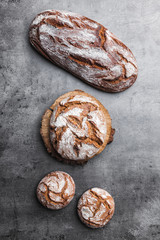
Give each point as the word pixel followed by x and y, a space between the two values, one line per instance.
pixel 56 190
pixel 78 127
pixel 96 207
pixel 85 48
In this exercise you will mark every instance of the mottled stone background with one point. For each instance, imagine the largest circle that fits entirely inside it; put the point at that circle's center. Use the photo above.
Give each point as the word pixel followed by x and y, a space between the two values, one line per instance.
pixel 129 168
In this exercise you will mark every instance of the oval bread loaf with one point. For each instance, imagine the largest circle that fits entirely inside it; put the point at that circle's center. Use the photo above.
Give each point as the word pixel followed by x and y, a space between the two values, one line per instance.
pixel 85 48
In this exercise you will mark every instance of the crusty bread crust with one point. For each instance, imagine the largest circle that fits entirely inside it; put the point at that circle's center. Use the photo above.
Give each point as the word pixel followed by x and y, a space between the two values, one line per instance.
pixel 85 48
pixel 96 207
pixel 56 190
pixel 45 127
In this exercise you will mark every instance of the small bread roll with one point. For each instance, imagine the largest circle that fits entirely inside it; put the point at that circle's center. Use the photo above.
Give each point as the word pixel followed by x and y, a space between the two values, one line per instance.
pixel 96 207
pixel 56 190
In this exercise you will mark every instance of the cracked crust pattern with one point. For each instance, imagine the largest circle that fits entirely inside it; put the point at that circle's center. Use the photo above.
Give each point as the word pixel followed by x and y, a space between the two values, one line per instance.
pixel 76 127
pixel 85 48
pixel 56 190
pixel 96 207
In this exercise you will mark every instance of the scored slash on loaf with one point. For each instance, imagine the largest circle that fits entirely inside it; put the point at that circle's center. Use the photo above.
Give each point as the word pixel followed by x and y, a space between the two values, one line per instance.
pixel 85 48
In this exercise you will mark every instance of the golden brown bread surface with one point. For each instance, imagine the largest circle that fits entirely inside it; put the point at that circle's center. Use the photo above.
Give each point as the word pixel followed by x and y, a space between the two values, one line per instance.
pixel 96 207
pixel 85 48
pixel 76 127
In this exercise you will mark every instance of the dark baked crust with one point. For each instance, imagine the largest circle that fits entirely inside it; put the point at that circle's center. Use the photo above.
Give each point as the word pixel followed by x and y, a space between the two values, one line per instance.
pixel 45 129
pixel 95 59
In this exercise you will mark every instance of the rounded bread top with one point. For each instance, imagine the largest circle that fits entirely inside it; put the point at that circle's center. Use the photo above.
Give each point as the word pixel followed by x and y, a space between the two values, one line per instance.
pixel 56 190
pixel 78 127
pixel 96 207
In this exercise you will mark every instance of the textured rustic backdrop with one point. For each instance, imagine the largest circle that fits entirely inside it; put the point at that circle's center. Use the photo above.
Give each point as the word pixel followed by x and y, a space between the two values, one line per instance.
pixel 129 168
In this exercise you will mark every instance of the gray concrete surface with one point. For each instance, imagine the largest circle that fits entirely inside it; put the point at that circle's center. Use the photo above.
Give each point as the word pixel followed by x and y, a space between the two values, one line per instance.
pixel 129 168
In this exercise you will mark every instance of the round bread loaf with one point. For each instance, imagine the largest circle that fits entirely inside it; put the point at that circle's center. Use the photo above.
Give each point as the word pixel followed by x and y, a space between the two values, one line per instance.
pixel 76 127
pixel 56 190
pixel 96 207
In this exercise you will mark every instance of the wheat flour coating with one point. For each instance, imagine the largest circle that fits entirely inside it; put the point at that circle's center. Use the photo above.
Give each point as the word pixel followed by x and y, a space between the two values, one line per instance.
pixel 96 207
pixel 78 128
pixel 85 48
pixel 56 190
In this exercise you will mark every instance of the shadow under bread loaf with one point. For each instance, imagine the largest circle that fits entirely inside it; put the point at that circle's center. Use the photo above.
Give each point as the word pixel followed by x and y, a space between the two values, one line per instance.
pixel 85 48
pixel 76 127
